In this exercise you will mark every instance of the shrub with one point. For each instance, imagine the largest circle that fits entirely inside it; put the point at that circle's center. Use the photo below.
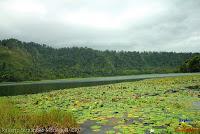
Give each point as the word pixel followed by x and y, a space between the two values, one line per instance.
pixel 191 65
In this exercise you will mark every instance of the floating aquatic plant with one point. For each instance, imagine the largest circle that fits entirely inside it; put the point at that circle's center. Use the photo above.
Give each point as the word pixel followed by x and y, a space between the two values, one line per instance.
pixel 153 105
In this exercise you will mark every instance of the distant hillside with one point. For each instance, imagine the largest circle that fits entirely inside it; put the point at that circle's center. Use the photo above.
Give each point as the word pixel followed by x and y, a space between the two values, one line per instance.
pixel 31 61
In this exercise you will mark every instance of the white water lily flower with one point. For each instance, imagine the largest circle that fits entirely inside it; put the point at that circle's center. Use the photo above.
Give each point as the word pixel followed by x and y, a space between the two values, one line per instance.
pixel 151 130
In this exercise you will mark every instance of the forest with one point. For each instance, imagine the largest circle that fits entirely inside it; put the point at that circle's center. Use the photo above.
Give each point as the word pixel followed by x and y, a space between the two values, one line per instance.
pixel 23 61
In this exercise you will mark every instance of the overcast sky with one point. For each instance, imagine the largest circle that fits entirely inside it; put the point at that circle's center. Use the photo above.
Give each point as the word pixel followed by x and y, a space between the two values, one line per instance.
pixel 150 25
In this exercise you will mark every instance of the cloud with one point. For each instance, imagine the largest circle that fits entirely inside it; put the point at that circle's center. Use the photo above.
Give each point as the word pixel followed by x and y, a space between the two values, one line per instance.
pixel 155 25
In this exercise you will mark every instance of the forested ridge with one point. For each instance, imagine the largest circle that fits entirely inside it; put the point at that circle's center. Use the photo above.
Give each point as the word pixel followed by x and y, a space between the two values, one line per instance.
pixel 21 61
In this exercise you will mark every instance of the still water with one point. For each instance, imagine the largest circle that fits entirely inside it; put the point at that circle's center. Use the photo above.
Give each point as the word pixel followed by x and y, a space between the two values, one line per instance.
pixel 21 88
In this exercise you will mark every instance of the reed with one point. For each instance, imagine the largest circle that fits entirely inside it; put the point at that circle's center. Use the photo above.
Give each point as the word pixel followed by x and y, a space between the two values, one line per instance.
pixel 13 118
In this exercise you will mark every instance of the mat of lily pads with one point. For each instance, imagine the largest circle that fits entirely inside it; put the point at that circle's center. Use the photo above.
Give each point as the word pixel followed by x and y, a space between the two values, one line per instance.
pixel 160 105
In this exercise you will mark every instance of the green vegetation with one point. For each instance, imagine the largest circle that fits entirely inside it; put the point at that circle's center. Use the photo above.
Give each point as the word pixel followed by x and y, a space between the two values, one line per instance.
pixel 14 120
pixel 160 105
pixel 21 61
pixel 191 65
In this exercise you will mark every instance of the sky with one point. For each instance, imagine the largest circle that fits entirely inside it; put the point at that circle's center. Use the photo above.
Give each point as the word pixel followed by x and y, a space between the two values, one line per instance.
pixel 130 25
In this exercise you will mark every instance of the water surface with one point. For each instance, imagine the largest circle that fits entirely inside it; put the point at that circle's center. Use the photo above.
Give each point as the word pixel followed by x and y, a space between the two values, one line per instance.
pixel 21 88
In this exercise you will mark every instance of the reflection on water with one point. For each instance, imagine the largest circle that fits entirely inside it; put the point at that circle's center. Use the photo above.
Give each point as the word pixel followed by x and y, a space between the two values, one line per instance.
pixel 12 89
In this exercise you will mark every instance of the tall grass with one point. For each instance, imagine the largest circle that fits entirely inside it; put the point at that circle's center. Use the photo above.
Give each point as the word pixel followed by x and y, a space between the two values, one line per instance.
pixel 12 117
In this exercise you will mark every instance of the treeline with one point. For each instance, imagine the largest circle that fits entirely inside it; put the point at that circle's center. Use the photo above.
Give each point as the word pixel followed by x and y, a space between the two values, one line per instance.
pixel 191 65
pixel 21 61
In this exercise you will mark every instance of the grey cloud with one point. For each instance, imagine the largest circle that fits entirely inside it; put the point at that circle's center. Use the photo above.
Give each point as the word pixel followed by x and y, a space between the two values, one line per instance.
pixel 174 28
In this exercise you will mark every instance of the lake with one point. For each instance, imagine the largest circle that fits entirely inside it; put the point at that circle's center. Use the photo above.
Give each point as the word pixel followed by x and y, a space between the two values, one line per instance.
pixel 22 88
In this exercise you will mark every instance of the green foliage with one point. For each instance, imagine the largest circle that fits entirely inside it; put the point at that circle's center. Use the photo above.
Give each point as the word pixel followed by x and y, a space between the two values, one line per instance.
pixel 14 118
pixel 21 61
pixel 9 115
pixel 191 65
pixel 129 107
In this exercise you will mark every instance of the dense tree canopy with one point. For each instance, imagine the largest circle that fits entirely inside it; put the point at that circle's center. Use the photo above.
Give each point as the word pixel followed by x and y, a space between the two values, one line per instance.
pixel 31 61
pixel 191 65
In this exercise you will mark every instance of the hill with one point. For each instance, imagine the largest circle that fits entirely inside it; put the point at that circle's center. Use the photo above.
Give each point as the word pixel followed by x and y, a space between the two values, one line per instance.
pixel 21 61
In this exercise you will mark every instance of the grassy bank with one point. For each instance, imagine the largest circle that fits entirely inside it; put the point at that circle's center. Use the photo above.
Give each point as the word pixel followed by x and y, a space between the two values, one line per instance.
pixel 15 120
pixel 161 105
